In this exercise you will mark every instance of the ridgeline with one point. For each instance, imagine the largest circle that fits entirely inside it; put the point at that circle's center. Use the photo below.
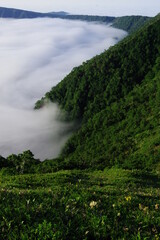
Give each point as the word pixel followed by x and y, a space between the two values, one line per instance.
pixel 128 23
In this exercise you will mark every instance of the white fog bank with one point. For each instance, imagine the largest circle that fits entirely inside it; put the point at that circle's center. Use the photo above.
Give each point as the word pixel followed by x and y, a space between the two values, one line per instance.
pixel 35 55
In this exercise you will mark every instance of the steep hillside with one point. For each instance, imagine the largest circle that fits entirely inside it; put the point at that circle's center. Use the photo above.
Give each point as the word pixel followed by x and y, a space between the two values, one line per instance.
pixel 116 95
pixel 130 23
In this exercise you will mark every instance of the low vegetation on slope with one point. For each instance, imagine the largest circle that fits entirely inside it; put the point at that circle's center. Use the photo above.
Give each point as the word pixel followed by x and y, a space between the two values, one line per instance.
pixel 76 205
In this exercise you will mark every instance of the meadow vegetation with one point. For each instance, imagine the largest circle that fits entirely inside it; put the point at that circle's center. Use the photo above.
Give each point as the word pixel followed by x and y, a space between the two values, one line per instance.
pixel 109 204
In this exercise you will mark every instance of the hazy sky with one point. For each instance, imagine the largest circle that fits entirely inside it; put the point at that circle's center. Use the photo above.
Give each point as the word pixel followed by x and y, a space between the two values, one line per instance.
pixel 99 7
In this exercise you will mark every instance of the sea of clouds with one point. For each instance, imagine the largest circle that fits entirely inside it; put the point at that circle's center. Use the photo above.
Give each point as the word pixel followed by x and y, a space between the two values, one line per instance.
pixel 35 54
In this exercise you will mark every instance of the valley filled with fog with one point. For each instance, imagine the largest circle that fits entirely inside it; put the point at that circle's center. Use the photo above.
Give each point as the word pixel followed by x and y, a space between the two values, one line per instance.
pixel 35 55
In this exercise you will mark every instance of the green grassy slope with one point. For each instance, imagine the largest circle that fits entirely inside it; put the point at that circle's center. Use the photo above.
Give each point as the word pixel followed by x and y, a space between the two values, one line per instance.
pixel 113 204
pixel 116 94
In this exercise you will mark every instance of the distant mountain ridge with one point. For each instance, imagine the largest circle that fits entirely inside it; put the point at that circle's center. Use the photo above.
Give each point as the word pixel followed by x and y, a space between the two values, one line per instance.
pixel 127 23
pixel 61 13
pixel 20 14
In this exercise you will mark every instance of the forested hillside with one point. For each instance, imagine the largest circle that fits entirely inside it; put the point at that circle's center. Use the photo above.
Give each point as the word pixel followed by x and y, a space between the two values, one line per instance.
pixel 130 23
pixel 116 95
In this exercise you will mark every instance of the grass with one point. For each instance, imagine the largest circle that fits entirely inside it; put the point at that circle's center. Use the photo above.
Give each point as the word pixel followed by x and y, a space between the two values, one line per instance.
pixel 109 204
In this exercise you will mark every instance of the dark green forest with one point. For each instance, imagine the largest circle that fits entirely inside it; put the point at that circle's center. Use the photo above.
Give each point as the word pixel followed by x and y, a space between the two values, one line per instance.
pixel 115 95
pixel 130 23
pixel 106 182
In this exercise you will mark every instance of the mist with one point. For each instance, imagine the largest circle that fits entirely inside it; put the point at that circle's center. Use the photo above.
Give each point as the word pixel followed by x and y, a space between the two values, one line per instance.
pixel 35 55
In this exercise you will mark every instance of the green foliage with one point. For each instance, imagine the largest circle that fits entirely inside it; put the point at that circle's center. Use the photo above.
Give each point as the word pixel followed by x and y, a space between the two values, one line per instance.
pixel 21 163
pixel 130 23
pixel 3 162
pixel 112 204
pixel 116 95
pixel 109 76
